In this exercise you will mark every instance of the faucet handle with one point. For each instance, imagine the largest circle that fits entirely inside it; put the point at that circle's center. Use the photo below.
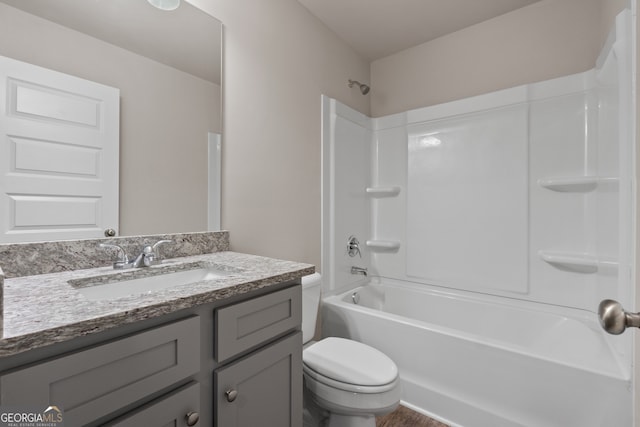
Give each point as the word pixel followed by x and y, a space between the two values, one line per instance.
pixel 353 247
pixel 123 259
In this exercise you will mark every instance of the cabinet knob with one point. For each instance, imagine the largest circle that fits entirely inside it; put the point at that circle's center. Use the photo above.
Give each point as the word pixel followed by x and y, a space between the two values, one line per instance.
pixel 192 418
pixel 231 395
pixel 109 232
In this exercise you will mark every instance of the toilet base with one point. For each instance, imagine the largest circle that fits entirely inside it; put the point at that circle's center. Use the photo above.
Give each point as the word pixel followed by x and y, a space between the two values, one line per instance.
pixel 339 420
pixel 313 415
pixel 316 416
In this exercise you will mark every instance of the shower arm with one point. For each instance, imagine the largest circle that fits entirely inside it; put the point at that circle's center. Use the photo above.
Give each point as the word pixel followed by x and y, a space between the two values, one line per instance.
pixel 364 89
pixel 614 319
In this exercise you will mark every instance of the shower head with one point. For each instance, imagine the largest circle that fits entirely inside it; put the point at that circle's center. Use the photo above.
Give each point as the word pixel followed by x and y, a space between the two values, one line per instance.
pixel 363 87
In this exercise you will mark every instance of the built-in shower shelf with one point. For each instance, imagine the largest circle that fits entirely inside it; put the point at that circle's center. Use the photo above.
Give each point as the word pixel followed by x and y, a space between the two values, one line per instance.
pixel 383 245
pixel 578 262
pixel 383 191
pixel 576 184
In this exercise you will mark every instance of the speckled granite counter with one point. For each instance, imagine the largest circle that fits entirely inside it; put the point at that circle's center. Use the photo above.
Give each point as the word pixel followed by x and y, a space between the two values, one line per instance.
pixel 46 309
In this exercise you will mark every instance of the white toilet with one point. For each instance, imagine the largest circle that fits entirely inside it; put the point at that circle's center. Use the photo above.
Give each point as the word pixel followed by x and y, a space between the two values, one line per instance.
pixel 346 383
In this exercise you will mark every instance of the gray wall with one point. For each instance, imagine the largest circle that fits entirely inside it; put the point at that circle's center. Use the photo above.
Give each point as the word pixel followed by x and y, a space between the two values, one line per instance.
pixel 278 60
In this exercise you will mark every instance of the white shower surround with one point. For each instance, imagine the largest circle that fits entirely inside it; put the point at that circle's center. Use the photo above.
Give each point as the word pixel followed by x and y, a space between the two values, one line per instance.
pixel 561 164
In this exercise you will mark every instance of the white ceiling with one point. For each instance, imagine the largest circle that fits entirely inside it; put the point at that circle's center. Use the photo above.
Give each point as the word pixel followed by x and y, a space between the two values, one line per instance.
pixel 378 28
pixel 187 38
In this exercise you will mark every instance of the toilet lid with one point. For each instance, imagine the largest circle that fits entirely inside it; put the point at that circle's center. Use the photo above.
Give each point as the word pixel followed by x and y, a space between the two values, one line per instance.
pixel 350 362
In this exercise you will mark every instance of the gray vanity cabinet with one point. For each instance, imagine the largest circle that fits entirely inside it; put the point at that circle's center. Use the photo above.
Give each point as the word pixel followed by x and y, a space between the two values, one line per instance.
pixel 93 383
pixel 262 389
pixel 249 324
pixel 234 365
pixel 259 345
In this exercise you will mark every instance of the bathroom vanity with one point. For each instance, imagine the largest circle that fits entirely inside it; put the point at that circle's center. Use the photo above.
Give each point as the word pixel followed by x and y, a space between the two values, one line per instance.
pixel 224 351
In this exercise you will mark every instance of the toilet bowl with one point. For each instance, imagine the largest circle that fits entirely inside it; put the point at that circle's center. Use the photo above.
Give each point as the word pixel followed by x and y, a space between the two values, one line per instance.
pixel 348 382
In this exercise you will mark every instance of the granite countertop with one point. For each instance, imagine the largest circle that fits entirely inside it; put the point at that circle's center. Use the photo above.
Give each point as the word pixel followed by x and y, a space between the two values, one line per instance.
pixel 48 308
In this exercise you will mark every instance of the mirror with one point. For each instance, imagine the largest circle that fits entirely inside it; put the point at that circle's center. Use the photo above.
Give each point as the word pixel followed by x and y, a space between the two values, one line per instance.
pixel 167 66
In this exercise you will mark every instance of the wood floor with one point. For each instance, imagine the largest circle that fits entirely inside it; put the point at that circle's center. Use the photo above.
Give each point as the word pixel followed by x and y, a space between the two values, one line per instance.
pixel 405 417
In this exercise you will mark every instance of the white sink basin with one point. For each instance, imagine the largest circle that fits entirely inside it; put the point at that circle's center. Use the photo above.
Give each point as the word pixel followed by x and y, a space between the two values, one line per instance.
pixel 137 286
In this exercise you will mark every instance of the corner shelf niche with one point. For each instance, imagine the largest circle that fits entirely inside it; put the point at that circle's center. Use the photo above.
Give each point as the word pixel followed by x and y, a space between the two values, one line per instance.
pixel 576 184
pixel 578 262
pixel 391 191
pixel 383 245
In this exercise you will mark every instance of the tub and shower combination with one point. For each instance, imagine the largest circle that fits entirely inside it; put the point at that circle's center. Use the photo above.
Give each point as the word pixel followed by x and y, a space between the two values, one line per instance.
pixel 490 228
pixel 474 360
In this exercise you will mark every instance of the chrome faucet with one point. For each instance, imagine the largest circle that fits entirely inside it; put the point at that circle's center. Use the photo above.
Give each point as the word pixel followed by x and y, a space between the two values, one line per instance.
pixel 359 270
pixel 146 258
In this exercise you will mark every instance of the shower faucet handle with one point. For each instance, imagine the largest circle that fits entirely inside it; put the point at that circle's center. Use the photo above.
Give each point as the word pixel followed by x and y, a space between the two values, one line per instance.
pixel 353 247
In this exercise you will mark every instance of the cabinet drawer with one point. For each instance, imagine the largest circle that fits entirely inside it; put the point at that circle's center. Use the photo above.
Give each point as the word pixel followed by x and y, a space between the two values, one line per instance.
pixel 171 410
pixel 92 383
pixel 248 324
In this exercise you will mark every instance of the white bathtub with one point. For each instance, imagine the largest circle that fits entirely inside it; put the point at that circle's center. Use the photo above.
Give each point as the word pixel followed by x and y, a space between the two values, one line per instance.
pixel 478 361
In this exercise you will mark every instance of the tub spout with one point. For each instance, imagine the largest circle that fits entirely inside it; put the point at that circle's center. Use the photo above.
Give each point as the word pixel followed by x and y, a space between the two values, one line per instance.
pixel 359 270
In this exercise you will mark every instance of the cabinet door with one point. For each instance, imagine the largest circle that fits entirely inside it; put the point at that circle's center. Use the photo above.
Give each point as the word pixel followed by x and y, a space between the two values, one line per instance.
pixel 178 409
pixel 262 389
pixel 93 383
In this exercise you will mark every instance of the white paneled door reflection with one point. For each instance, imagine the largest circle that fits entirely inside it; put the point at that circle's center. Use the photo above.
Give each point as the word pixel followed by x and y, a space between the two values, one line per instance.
pixel 59 147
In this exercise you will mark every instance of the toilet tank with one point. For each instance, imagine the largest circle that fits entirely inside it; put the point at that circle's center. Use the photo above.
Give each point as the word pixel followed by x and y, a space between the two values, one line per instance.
pixel 311 287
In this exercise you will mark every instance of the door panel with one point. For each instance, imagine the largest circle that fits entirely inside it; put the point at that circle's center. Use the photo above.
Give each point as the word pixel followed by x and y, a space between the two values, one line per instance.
pixel 59 155
pixel 263 389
